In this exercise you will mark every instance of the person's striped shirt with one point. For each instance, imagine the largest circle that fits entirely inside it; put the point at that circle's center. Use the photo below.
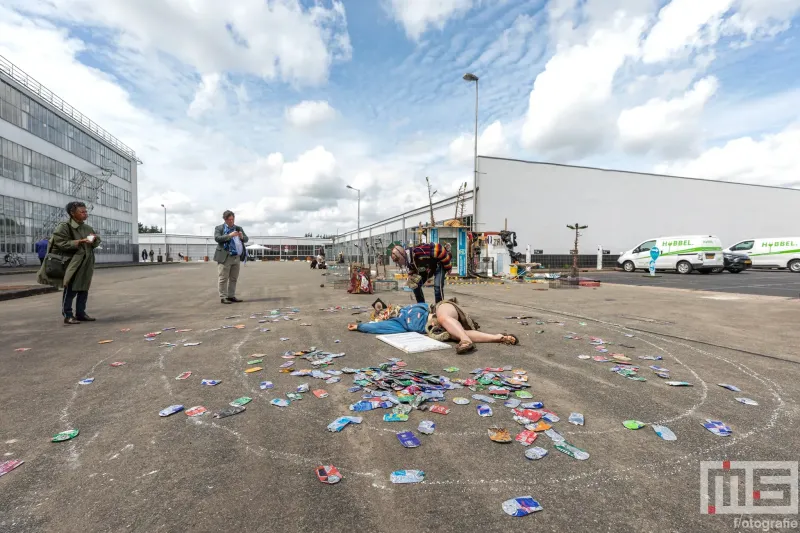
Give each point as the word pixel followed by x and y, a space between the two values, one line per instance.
pixel 427 255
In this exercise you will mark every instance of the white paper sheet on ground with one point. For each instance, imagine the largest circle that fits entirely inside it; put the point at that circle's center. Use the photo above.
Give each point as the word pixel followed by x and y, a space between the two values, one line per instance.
pixel 413 342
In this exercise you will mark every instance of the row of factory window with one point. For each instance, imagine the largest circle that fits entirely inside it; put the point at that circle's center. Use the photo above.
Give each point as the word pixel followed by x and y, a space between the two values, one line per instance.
pixel 22 164
pixel 28 114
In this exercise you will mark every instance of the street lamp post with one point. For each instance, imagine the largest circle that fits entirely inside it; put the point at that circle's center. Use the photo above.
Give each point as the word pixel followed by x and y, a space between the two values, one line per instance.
pixel 166 246
pixel 472 77
pixel 361 258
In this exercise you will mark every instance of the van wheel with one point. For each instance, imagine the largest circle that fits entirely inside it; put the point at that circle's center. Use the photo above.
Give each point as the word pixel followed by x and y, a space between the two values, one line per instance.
pixel 717 270
pixel 684 267
pixel 794 265
pixel 628 266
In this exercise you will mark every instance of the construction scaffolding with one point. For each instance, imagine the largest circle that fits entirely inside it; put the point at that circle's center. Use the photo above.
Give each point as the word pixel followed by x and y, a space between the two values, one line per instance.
pixel 86 188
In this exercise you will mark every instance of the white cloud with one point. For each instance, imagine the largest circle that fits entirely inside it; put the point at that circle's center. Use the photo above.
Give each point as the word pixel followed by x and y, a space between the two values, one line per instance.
pixel 310 113
pixel 662 85
pixel 491 142
pixel 761 18
pixel 568 115
pixel 242 96
pixel 510 45
pixel 274 39
pixel 669 127
pixel 417 16
pixel 309 183
pixel 207 95
pixel 769 160
pixel 598 90
pixel 682 26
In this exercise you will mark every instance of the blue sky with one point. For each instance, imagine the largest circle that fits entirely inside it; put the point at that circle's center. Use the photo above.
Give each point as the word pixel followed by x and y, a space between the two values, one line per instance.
pixel 270 107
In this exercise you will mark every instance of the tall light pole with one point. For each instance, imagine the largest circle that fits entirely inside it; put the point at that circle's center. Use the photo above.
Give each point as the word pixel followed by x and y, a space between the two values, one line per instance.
pixel 166 246
pixel 472 77
pixel 359 221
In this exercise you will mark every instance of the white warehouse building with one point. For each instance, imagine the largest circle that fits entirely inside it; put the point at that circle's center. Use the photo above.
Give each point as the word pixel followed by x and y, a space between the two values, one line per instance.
pixel 50 155
pixel 621 209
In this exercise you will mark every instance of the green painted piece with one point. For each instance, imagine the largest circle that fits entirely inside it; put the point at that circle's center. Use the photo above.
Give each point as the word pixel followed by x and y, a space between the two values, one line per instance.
pixel 633 424
pixel 65 435
pixel 238 402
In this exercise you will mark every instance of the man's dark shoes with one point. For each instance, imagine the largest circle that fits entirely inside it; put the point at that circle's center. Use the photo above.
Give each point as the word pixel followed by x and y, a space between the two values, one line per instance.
pixel 225 300
pixel 86 318
pixel 71 320
pixel 235 299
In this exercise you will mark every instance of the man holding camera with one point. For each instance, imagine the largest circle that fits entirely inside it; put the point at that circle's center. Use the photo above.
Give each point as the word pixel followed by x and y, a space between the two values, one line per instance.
pixel 229 255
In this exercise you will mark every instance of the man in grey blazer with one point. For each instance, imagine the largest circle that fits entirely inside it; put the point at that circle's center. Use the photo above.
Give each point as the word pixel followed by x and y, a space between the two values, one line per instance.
pixel 229 254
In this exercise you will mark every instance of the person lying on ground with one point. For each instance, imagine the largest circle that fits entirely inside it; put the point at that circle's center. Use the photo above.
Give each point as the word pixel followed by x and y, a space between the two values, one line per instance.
pixel 443 321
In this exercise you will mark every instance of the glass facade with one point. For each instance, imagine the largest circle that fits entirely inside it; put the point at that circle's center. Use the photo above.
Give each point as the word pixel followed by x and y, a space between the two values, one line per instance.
pixel 30 115
pixel 196 247
pixel 21 223
pixel 287 251
pixel 22 164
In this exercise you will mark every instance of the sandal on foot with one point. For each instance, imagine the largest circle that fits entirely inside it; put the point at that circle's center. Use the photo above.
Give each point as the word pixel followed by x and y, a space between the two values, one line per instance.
pixel 504 340
pixel 465 347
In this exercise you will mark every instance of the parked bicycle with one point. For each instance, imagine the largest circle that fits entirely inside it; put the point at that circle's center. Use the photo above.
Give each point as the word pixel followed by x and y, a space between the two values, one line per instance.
pixel 13 259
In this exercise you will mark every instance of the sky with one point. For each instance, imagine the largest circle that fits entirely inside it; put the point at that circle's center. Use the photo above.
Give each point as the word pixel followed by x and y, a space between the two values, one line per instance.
pixel 271 108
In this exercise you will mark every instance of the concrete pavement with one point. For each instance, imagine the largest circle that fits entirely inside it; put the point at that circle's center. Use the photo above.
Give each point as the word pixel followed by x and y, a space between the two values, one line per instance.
pixel 131 470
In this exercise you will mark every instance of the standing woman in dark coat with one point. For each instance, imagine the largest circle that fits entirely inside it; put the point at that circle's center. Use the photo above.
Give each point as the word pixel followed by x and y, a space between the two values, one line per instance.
pixel 74 240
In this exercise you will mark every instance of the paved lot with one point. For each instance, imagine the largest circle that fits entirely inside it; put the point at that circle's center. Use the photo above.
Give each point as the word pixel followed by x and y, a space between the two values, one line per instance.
pixel 765 282
pixel 130 470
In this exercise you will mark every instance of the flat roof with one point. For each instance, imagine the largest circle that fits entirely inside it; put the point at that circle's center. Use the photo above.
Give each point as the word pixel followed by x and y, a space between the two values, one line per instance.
pixel 635 172
pixel 44 94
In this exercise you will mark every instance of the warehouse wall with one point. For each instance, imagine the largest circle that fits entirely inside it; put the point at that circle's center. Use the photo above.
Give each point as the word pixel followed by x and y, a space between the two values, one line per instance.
pixel 622 209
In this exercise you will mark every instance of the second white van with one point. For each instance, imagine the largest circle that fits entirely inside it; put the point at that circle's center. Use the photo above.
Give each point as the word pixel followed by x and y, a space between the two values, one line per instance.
pixel 771 252
pixel 683 253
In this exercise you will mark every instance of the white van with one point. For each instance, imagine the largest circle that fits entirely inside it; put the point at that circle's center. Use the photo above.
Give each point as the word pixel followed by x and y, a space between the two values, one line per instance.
pixel 683 253
pixel 766 252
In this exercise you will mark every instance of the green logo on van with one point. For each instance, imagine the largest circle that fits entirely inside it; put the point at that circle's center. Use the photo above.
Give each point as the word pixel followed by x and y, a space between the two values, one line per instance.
pixel 670 244
pixel 778 244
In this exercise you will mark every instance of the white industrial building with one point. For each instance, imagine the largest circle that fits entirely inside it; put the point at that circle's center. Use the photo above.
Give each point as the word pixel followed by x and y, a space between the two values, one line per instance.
pixel 199 247
pixel 621 209
pixel 50 155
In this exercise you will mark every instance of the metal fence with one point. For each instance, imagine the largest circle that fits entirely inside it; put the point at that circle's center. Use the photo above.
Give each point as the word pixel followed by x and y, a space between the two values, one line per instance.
pixel 563 262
